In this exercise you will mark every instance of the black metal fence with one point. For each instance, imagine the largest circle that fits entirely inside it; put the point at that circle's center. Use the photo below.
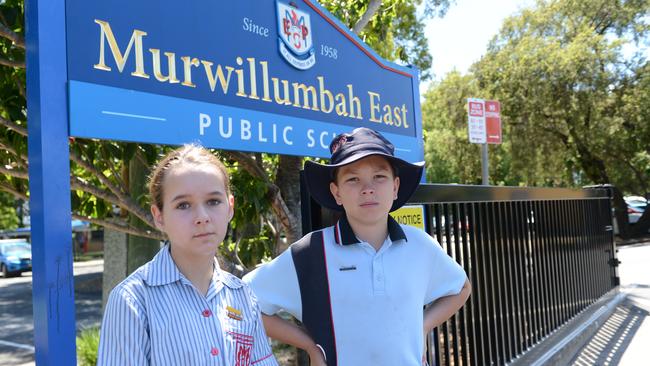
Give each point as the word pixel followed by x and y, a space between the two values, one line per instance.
pixel 536 257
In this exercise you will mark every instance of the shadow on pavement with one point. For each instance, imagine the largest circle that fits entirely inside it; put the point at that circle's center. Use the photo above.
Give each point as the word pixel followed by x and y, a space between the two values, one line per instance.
pixel 607 346
pixel 16 318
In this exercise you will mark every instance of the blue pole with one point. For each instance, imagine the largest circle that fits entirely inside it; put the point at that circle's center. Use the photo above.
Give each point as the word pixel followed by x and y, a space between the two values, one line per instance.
pixel 49 183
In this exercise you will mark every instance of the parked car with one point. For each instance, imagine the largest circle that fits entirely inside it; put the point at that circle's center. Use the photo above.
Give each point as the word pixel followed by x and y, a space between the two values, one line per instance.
pixel 636 205
pixel 15 257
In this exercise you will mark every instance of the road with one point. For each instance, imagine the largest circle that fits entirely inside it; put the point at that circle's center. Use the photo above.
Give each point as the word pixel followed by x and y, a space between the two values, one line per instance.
pixel 16 320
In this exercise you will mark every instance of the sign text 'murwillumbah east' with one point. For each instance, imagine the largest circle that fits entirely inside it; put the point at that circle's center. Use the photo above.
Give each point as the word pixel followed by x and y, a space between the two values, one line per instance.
pixel 253 75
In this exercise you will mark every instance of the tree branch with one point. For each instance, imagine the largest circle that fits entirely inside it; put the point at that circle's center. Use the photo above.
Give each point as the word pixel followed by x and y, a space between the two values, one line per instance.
pixel 122 227
pixel 14 37
pixel 373 6
pixel 22 174
pixel 14 192
pixel 12 63
pixel 13 126
pixel 248 163
pixel 123 200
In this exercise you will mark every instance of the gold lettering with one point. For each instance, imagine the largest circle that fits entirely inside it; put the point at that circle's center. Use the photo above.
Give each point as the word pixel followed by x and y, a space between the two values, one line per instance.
pixel 265 80
pixel 325 107
pixel 171 66
pixel 374 107
pixel 276 92
pixel 217 76
pixel 398 117
pixel 106 34
pixel 188 62
pixel 354 103
pixel 241 92
pixel 253 78
pixel 341 105
pixel 388 115
pixel 297 87
pixel 404 116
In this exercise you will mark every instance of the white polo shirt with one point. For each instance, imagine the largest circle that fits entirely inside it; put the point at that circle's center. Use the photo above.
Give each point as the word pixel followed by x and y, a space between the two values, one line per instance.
pixel 377 297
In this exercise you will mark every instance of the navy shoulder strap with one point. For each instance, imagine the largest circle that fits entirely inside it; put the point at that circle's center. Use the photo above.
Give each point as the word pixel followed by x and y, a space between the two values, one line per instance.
pixel 311 268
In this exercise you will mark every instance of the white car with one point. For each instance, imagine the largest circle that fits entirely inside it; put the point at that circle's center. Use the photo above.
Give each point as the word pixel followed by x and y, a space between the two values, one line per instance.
pixel 635 207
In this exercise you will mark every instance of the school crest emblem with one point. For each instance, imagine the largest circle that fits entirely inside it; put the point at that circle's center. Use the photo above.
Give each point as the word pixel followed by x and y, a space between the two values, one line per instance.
pixel 295 38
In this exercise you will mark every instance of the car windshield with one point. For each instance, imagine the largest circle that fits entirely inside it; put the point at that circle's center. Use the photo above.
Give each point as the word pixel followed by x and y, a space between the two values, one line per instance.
pixel 16 249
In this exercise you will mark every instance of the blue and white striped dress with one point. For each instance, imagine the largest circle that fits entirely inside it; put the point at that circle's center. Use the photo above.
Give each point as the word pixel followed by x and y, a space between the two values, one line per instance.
pixel 157 317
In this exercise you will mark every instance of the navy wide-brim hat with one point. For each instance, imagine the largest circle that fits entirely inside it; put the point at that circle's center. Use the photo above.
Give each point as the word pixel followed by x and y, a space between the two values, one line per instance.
pixel 347 148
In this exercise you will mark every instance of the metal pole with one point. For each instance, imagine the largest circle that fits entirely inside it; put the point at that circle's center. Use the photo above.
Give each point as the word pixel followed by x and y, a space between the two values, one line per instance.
pixel 49 183
pixel 484 164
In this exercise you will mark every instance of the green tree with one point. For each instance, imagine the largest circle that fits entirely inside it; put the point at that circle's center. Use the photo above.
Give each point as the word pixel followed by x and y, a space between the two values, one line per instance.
pixel 8 216
pixel 574 101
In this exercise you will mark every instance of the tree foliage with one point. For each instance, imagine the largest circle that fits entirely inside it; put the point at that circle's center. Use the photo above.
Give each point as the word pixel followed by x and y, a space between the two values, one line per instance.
pixel 574 98
pixel 393 28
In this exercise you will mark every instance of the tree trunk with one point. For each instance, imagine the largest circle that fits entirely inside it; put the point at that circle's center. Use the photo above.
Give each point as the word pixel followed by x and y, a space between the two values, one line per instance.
pixel 139 250
pixel 287 179
pixel 114 261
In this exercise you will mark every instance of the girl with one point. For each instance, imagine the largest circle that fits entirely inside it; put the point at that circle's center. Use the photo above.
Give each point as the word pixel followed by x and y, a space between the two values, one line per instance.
pixel 181 308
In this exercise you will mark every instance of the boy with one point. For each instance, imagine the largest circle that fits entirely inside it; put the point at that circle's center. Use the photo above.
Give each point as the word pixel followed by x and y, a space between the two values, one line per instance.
pixel 360 286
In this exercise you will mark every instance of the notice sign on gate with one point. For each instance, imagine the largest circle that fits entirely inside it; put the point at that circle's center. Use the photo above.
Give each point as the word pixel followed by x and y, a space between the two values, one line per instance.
pixel 484 121
pixel 252 75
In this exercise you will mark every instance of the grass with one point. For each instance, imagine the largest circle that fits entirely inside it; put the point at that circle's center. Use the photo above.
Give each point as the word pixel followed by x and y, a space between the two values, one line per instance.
pixel 87 347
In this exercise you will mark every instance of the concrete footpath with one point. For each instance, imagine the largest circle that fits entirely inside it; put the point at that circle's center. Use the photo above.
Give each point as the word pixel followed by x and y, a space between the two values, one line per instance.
pixel 624 338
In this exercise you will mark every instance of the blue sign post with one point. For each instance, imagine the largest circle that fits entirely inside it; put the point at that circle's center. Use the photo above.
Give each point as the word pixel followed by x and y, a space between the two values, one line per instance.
pixel 49 184
pixel 273 76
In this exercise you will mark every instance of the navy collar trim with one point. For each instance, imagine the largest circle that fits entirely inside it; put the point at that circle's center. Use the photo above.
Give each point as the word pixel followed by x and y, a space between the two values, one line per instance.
pixel 344 235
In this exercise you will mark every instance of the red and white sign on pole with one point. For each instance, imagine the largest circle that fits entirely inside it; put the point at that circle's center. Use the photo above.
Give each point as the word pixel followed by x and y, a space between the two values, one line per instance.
pixel 476 121
pixel 493 121
pixel 484 121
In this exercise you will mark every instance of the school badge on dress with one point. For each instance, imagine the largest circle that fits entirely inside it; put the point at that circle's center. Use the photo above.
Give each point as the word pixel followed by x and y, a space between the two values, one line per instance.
pixel 295 41
pixel 233 313
pixel 243 348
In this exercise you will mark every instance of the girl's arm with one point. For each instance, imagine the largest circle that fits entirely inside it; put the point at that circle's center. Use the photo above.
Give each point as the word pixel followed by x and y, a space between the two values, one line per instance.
pixel 289 333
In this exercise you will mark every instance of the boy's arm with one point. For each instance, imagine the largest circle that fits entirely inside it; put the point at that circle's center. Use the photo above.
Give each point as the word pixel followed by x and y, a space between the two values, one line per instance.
pixel 441 310
pixel 289 333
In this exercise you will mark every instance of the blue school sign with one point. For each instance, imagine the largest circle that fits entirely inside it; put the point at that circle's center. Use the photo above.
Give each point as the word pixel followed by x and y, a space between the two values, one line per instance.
pixel 252 75
pixel 248 75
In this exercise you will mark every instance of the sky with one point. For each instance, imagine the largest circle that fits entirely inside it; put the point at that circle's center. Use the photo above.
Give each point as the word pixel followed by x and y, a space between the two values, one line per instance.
pixel 461 37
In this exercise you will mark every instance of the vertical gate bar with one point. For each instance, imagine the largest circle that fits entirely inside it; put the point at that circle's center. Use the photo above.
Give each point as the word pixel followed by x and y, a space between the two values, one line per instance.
pixel 455 253
pixel 570 260
pixel 535 269
pixel 489 283
pixel 478 285
pixel 465 313
pixel 558 271
pixel 595 248
pixel 497 290
pixel 448 249
pixel 545 265
pixel 518 276
pixel 525 288
pixel 437 332
pixel 476 341
pixel 588 279
pixel 443 335
pixel 576 260
pixel 506 281
pixel 580 260
pixel 565 250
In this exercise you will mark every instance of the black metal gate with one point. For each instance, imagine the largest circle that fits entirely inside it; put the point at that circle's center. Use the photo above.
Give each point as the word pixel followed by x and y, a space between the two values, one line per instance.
pixel 536 257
